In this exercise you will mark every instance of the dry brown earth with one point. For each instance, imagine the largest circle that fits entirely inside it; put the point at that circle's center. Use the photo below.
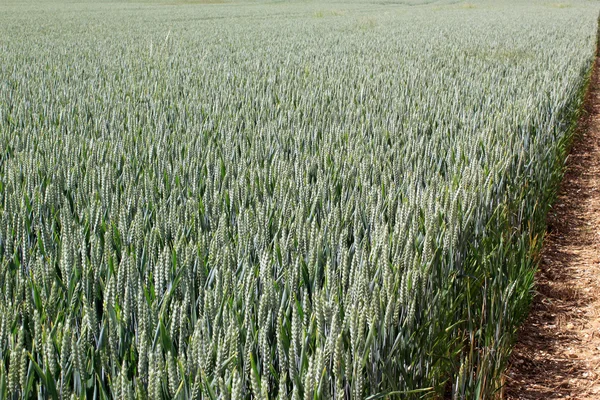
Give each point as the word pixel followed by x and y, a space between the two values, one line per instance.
pixel 557 355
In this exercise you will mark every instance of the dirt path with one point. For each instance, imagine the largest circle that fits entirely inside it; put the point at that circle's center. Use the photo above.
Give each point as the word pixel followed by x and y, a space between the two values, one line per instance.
pixel 558 352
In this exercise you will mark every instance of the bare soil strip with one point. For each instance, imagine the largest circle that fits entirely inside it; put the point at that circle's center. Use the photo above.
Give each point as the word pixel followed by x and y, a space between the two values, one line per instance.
pixel 558 351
